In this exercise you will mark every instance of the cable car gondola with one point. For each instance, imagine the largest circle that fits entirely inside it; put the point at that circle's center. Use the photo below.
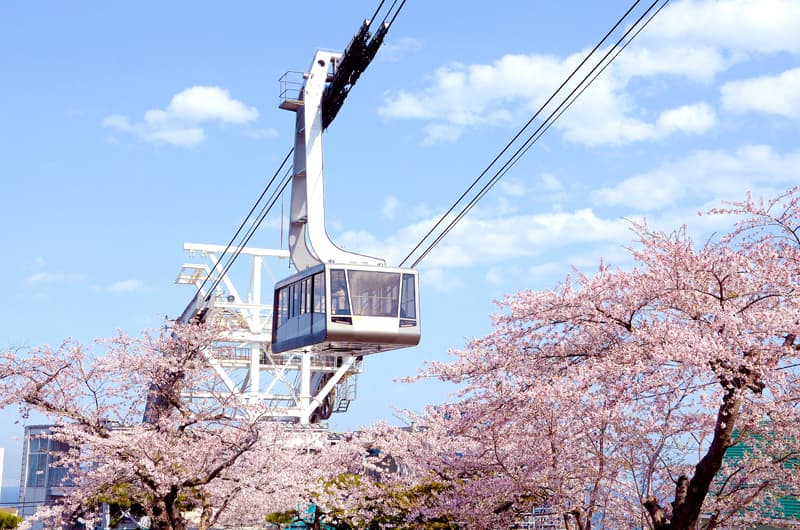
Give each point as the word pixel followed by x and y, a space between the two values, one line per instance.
pixel 338 301
pixel 360 309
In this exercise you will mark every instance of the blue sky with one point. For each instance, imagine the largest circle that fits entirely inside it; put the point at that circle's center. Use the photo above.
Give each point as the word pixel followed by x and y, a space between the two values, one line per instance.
pixel 129 129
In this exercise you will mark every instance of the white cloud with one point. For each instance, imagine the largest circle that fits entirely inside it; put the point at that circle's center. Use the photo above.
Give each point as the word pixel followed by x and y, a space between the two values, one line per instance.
pixel 40 278
pixel 777 94
pixel 550 182
pixel 495 275
pixel 704 175
pixel 695 61
pixel 614 254
pixel 468 95
pixel 502 276
pixel 393 51
pixel 421 211
pixel 671 195
pixel 696 118
pixel 262 134
pixel 610 126
pixel 390 207
pixel 118 122
pixel 203 103
pixel 441 280
pixel 126 286
pixel 748 26
pixel 441 132
pixel 691 40
pixel 185 136
pixel 462 97
pixel 180 123
pixel 540 272
pixel 483 238
pixel 512 187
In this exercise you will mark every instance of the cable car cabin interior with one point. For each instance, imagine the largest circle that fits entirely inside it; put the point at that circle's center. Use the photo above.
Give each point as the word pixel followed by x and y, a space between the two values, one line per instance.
pixel 346 308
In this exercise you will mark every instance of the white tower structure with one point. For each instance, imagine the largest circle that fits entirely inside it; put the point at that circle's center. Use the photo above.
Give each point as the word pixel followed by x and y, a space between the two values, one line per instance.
pixel 295 384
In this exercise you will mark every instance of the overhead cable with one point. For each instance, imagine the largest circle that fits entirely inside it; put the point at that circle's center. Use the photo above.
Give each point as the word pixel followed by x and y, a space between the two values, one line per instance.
pixel 377 9
pixel 587 80
pixel 541 129
pixel 394 16
pixel 243 224
pixel 245 239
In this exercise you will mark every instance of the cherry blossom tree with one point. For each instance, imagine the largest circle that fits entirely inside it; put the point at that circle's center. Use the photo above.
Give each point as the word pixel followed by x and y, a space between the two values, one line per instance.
pixel 614 398
pixel 210 454
pixel 384 491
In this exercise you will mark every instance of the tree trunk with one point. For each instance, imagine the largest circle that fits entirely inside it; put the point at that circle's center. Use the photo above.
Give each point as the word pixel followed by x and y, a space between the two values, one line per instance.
pixel 168 516
pixel 690 494
pixel 205 518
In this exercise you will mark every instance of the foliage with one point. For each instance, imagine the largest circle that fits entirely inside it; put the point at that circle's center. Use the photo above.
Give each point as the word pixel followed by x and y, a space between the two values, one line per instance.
pixel 282 518
pixel 9 520
pixel 211 456
pixel 372 501
pixel 612 399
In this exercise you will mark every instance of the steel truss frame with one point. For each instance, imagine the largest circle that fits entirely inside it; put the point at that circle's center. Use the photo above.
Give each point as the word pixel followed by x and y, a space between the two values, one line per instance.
pixel 295 385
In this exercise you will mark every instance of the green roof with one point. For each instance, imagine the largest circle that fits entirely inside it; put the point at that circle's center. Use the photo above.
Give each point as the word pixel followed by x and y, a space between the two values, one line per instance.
pixel 789 506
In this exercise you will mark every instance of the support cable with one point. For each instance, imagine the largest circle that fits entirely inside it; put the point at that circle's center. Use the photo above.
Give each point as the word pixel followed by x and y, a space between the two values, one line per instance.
pixel 377 10
pixel 572 97
pixel 539 132
pixel 394 16
pixel 244 223
pixel 519 133
pixel 287 177
pixel 566 103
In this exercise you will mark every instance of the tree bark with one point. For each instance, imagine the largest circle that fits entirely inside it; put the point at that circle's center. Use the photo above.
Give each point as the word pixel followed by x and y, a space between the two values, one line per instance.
pixel 690 494
pixel 656 513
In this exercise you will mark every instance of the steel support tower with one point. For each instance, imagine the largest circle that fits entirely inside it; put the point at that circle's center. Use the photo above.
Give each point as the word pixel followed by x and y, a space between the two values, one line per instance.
pixel 295 385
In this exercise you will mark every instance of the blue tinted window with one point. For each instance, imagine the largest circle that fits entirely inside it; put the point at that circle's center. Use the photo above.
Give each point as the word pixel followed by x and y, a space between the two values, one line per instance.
pixel 408 305
pixel 340 303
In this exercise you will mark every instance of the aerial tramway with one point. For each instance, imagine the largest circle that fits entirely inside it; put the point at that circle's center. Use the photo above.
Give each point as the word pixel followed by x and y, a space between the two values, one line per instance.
pixel 301 354
pixel 338 301
pixel 340 306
